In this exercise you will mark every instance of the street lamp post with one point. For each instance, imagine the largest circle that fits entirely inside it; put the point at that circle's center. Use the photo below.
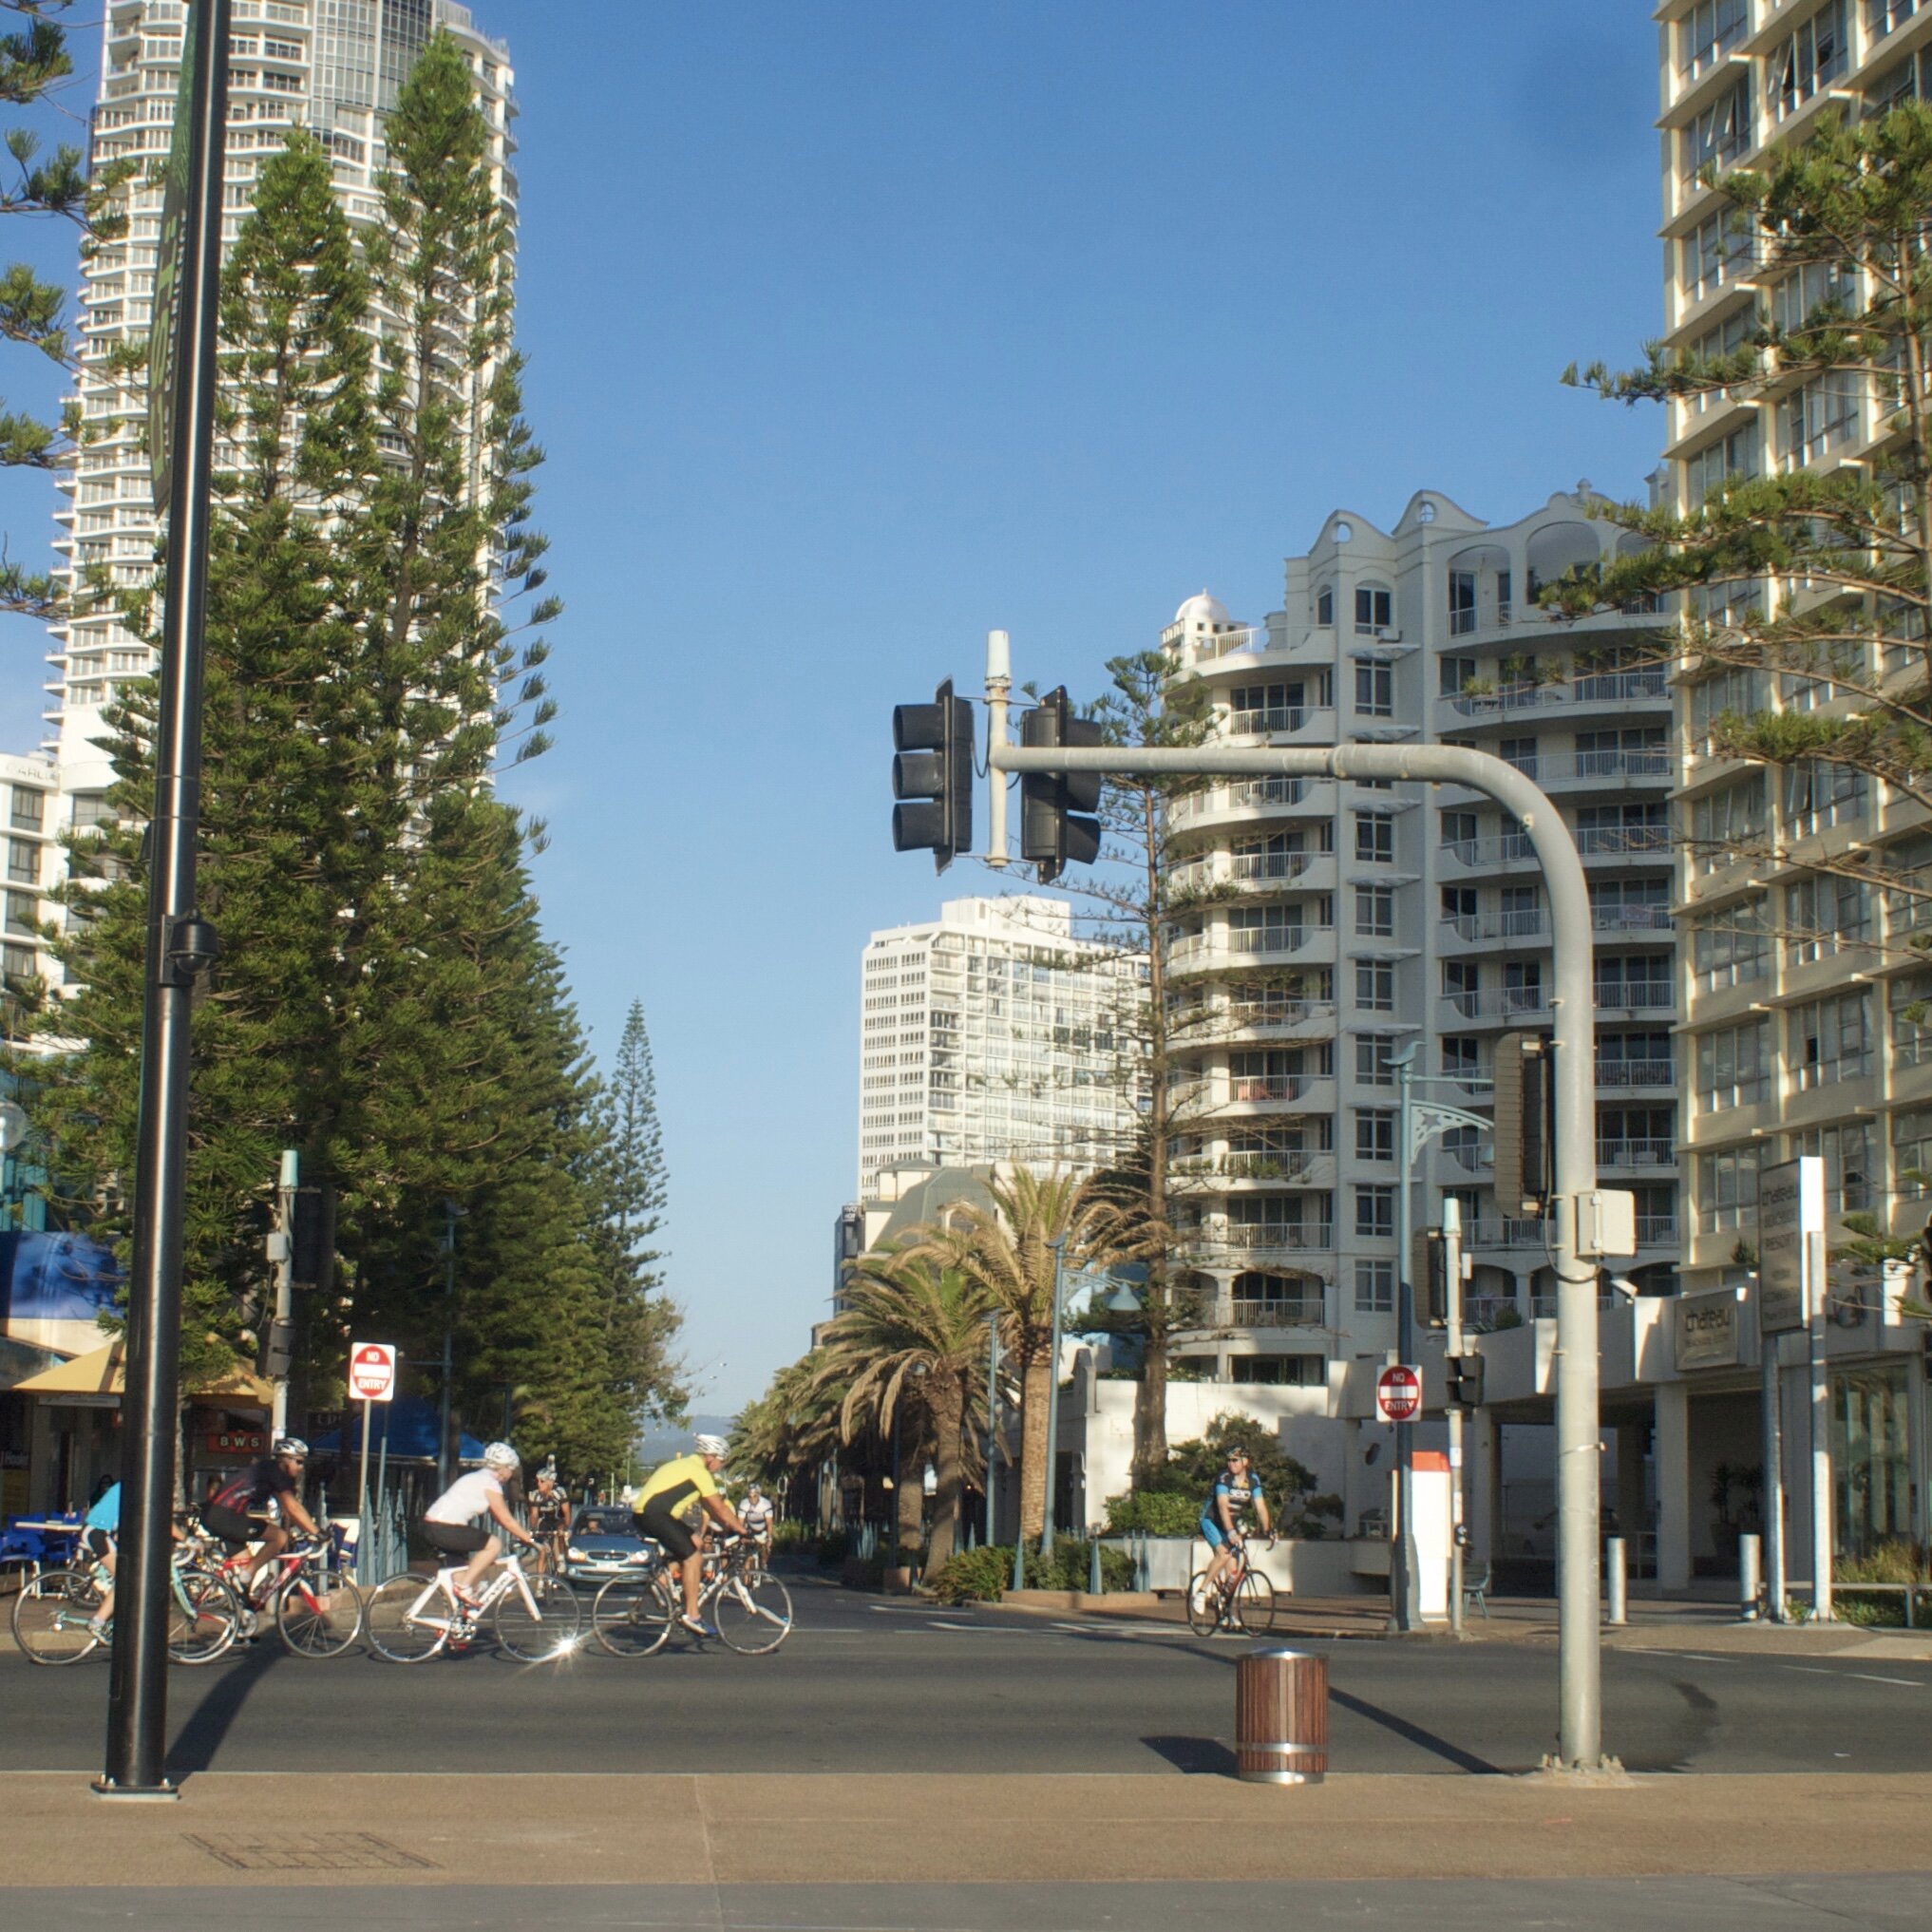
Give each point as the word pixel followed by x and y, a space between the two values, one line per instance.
pixel 992 1421
pixel 1059 1247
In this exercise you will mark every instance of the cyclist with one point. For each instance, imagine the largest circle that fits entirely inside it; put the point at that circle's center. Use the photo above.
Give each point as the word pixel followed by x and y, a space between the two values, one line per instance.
pixel 674 1488
pixel 1235 1488
pixel 549 1519
pixel 100 1531
pixel 235 1510
pixel 757 1512
pixel 458 1522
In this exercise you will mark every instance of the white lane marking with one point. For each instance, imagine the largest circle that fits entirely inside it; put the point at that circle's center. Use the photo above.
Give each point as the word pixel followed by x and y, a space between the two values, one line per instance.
pixel 1698 1657
pixel 1915 1683
pixel 1812 1671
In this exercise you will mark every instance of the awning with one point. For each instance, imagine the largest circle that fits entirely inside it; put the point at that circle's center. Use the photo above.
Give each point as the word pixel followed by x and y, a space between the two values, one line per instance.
pixel 100 1374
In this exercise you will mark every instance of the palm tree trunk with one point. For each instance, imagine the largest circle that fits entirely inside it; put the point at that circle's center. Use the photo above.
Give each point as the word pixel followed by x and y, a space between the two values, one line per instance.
pixel 910 1505
pixel 949 1403
pixel 1150 1406
pixel 1038 1386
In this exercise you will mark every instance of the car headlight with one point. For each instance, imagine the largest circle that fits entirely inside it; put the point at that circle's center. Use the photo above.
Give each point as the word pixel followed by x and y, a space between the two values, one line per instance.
pixel 574 1554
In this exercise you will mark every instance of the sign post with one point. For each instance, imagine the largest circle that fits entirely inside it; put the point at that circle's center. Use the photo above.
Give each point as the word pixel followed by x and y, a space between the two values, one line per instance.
pixel 372 1379
pixel 1787 1215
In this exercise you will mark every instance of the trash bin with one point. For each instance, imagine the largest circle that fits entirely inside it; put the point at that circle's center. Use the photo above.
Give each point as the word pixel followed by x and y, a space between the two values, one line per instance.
pixel 1282 1717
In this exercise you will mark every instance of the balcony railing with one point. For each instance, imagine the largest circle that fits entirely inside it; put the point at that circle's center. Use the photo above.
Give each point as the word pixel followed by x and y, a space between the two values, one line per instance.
pixel 1270 864
pixel 1270 718
pixel 1657 1230
pixel 1637 1073
pixel 1631 918
pixel 1508 1233
pixel 1499 1002
pixel 1272 1314
pixel 1633 995
pixel 1503 849
pixel 1595 842
pixel 1615 686
pixel 1292 1164
pixel 1659 1151
pixel 1526 923
pixel 1248 792
pixel 1282 1012
pixel 1258 940
pixel 1251 1088
pixel 1299 1236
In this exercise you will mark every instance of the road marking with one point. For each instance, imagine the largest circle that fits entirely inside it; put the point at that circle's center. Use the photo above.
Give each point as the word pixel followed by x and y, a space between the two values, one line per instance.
pixel 1865 1676
pixel 1698 1657
pixel 1812 1671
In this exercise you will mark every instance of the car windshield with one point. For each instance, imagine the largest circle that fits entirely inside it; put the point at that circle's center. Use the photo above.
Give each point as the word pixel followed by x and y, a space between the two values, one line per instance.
pixel 604 1523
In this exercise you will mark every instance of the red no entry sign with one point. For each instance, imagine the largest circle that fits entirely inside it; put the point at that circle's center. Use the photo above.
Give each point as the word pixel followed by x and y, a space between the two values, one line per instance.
pixel 1398 1393
pixel 372 1372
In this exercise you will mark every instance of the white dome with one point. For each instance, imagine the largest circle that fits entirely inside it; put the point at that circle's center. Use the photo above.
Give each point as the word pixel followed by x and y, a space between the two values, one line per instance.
pixel 1202 612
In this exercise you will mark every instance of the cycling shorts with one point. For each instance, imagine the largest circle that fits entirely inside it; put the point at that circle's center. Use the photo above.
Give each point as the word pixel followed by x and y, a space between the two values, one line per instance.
pixel 231 1525
pixel 99 1541
pixel 455 1539
pixel 1217 1537
pixel 655 1520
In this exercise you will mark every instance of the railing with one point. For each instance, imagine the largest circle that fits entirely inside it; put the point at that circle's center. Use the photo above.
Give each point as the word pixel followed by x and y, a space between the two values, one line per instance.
pixel 1506 1233
pixel 1294 1164
pixel 1287 1012
pixel 1617 686
pixel 1657 1230
pixel 1637 1073
pixel 1252 940
pixel 1297 1236
pixel 1243 640
pixel 1647 996
pixel 1503 849
pixel 1525 924
pixel 1656 1152
pixel 1272 1314
pixel 1249 792
pixel 1473 1159
pixel 1555 767
pixel 1631 918
pixel 1274 718
pixel 1271 864
pixel 1253 1088
pixel 1597 841
pixel 1499 1002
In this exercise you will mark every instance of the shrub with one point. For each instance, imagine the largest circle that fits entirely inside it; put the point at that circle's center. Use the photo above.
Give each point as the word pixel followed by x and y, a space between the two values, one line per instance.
pixel 984 1575
pixel 833 1547
pixel 974 1576
pixel 1897 1562
pixel 1152 1512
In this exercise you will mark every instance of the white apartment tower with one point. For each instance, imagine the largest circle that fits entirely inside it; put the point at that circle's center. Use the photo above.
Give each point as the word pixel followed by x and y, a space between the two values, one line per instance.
pixel 1805 1029
pixel 992 1033
pixel 333 66
pixel 1328 924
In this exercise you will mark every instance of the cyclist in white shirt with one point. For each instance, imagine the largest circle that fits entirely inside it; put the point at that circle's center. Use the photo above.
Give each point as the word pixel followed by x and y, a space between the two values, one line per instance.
pixel 757 1513
pixel 458 1522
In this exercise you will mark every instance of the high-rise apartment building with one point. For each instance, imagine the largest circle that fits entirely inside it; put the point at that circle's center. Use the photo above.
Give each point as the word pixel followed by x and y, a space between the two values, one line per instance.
pixel 330 65
pixel 992 1033
pixel 1806 987
pixel 1329 925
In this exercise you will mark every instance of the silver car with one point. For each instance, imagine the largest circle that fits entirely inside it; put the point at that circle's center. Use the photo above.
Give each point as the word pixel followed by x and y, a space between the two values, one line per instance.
pixel 604 1542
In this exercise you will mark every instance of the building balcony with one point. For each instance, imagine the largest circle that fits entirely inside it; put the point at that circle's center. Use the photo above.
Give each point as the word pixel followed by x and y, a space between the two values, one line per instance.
pixel 1619 687
pixel 1498 1003
pixel 1265 1019
pixel 1620 1155
pixel 1484 855
pixel 1314 722
pixel 1224 1311
pixel 1238 947
pixel 1271 1237
pixel 1252 800
pixel 1628 1073
pixel 1212 1174
pixel 1488 929
pixel 1505 1236
pixel 1622 841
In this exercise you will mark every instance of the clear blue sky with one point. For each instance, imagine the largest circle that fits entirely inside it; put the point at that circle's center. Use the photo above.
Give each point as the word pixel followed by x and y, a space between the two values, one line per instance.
pixel 855 330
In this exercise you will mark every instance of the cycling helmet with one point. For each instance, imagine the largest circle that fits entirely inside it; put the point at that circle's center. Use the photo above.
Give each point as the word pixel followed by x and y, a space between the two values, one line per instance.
pixel 710 1445
pixel 500 1455
pixel 292 1446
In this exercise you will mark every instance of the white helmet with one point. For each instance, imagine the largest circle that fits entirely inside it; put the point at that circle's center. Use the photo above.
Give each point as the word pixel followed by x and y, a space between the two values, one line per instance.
pixel 500 1455
pixel 710 1445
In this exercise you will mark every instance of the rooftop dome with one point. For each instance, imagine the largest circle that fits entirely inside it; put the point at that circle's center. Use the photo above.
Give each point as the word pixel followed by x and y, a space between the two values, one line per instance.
pixel 1202 612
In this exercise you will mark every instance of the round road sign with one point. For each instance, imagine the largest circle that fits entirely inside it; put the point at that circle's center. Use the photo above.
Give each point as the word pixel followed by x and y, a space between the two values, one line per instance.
pixel 372 1372
pixel 1398 1393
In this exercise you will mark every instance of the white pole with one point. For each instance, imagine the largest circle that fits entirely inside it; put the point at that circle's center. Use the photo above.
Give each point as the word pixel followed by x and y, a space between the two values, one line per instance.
pixel 364 1548
pixel 1452 1345
pixel 998 689
pixel 1821 1427
pixel 1770 1394
pixel 279 1337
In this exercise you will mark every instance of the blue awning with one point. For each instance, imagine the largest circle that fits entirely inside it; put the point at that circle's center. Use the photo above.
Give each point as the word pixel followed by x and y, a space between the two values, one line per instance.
pixel 410 1424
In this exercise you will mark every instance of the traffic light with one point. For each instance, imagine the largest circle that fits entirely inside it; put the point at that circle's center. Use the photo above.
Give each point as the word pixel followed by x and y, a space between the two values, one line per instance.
pixel 1053 831
pixel 932 769
pixel 1464 1378
pixel 1431 1279
pixel 1526 1122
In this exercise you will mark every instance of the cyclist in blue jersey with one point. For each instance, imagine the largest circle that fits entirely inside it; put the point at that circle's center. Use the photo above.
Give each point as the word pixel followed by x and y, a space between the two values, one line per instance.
pixel 1236 1490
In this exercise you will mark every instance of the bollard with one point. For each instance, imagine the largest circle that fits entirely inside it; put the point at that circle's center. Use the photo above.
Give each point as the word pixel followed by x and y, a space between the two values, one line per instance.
pixel 1750 1572
pixel 1282 1717
pixel 1617 1567
pixel 1096 1584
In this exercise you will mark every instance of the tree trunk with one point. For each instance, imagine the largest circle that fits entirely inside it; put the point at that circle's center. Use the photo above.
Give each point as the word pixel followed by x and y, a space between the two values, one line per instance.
pixel 1150 1403
pixel 1038 1386
pixel 948 1410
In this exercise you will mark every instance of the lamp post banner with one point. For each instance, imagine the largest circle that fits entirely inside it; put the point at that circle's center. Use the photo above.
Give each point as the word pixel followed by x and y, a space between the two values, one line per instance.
pixel 1787 1212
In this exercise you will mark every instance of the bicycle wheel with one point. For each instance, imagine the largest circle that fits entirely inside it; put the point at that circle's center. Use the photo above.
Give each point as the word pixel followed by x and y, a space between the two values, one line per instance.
pixel 1254 1605
pixel 50 1616
pixel 752 1613
pixel 632 1615
pixel 1204 1605
pixel 406 1619
pixel 551 1633
pixel 318 1615
pixel 204 1617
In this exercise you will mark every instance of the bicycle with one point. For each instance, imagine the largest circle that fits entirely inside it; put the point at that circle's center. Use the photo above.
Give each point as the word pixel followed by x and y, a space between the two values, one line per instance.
pixel 409 1617
pixel 749 1608
pixel 1241 1601
pixel 315 1601
pixel 52 1614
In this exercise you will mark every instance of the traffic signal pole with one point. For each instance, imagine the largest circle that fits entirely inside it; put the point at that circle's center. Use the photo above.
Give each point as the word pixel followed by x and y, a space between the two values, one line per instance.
pixel 1580 1721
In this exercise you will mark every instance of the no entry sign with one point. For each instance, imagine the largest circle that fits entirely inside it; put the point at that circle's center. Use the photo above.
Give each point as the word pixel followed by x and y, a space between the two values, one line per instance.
pixel 372 1372
pixel 1398 1393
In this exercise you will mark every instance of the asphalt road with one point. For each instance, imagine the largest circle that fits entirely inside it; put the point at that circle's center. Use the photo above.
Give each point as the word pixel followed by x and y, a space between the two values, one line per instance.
pixel 866 1686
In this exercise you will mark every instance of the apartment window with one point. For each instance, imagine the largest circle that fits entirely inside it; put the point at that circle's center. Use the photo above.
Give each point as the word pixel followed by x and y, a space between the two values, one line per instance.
pixel 1814 56
pixel 1374 987
pixel 1461 601
pixel 1523 986
pixel 1819 795
pixel 1375 1133
pixel 1909 1001
pixel 1637 980
pixel 1374 1287
pixel 1740 452
pixel 1829 1039
pixel 1707 32
pixel 1718 136
pixel 30 809
pixel 1462 982
pixel 1728 825
pixel 1706 257
pixel 1731 947
pixel 1822 914
pixel 1908 80
pixel 18 962
pixel 1848 1152
pixel 1374 912
pixel 23 914
pixel 1374 1210
pixel 1462 1059
pixel 1459 902
pixel 1734 1067
pixel 1375 610
pixel 1265 708
pixel 1805 292
pixel 1454 674
pixel 1818 418
pixel 1375 838
pixel 1372 1064
pixel 1289 1372
pixel 1727 1190
pixel 23 861
pixel 1375 691
pixel 1912 1151
pixel 1884 16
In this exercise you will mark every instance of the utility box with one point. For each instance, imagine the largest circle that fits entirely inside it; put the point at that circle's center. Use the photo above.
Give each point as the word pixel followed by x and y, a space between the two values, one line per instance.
pixel 1607 1222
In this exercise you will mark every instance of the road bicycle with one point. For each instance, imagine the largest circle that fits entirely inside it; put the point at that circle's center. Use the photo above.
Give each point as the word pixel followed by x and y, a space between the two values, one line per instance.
pixel 1241 1601
pixel 54 1612
pixel 411 1618
pixel 745 1605
pixel 310 1593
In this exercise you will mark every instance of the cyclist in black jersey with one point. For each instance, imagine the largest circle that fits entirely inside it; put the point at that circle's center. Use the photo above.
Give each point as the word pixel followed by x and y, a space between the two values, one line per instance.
pixel 1236 1490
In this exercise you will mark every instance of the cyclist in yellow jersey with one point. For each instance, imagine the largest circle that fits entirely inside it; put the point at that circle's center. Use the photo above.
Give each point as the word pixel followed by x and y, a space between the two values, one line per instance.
pixel 658 1507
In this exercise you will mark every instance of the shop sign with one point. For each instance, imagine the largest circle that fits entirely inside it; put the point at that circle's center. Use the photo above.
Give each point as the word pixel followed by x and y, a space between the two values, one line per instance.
pixel 1710 1334
pixel 243 1444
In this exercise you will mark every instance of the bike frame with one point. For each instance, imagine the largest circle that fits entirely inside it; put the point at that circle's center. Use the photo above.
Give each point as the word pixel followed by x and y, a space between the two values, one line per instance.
pixel 443 1583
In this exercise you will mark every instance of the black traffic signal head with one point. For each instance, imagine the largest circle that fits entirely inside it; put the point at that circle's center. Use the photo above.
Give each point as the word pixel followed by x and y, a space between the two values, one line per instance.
pixel 1056 828
pixel 932 770
pixel 1464 1380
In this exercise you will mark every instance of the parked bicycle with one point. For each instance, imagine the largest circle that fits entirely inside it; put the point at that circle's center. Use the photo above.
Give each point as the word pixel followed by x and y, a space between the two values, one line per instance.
pixel 1241 1601
pixel 751 1610
pixel 411 1618
pixel 54 1612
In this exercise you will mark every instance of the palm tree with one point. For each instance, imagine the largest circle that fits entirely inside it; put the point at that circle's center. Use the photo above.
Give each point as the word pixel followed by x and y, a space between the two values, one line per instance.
pixel 792 1430
pixel 914 1331
pixel 1010 1252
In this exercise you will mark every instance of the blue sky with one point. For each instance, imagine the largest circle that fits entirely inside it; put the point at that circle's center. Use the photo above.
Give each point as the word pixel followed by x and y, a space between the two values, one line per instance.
pixel 858 329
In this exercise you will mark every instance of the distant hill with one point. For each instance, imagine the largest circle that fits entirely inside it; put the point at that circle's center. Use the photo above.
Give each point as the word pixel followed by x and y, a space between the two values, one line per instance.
pixel 665 1440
